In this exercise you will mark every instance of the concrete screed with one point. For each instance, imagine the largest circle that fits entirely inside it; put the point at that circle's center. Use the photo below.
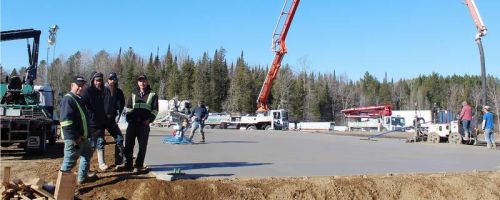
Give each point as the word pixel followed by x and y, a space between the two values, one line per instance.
pixel 236 153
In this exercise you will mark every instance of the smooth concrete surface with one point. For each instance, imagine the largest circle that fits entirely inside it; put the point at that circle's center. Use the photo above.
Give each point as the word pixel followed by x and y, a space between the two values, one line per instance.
pixel 239 153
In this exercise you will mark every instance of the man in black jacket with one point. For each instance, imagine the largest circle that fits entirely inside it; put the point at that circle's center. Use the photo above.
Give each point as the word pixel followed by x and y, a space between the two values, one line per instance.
pixel 93 97
pixel 75 130
pixel 142 110
pixel 114 102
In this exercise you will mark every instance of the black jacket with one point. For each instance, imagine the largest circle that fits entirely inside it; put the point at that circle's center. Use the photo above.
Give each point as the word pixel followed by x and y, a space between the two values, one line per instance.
pixel 71 121
pixel 137 113
pixel 93 99
pixel 113 104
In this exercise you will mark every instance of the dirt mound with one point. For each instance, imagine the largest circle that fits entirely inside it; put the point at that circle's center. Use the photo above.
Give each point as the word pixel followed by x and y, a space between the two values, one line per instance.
pixel 471 185
pixel 119 185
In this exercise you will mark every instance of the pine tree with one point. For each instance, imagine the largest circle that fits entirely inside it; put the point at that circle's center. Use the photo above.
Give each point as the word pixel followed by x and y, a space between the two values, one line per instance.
pixel 130 65
pixel 187 79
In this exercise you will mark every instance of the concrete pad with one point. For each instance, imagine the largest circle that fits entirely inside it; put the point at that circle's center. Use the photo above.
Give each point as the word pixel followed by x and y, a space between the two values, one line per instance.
pixel 238 153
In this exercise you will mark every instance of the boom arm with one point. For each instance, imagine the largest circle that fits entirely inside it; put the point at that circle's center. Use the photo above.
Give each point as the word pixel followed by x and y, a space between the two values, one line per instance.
pixel 279 48
pixel 32 53
pixel 481 28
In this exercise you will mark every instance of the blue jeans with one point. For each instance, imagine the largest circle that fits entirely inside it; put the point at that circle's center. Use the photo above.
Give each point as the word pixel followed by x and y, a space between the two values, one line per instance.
pixel 466 126
pixel 489 136
pixel 196 125
pixel 71 153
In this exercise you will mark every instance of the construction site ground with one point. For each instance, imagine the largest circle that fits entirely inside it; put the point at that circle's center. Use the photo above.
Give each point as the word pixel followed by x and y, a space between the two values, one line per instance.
pixel 235 164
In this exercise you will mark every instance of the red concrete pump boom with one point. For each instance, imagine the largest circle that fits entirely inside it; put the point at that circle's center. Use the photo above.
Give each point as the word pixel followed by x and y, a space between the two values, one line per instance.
pixel 279 48
pixel 481 28
pixel 481 31
pixel 368 111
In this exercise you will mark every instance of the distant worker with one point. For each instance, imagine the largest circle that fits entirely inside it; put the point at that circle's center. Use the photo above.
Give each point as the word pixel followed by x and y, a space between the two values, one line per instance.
pixel 114 102
pixel 93 98
pixel 75 129
pixel 488 125
pixel 143 108
pixel 466 118
pixel 200 114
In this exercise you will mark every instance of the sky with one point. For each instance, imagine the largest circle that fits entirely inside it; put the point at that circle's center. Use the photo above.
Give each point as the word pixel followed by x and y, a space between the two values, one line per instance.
pixel 401 38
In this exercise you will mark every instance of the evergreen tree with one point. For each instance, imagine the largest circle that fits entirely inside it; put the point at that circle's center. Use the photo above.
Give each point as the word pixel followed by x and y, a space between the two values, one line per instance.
pixel 14 72
pixel 187 79
pixel 130 65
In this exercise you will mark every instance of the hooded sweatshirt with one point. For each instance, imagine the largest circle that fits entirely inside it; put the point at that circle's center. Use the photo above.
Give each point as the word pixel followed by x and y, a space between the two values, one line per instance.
pixel 93 99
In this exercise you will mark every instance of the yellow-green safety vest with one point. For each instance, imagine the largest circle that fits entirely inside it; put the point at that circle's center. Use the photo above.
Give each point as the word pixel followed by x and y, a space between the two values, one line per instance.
pixel 82 115
pixel 146 105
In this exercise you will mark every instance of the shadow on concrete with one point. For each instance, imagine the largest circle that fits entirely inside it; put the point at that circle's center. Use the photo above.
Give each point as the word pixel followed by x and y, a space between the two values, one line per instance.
pixel 229 142
pixel 190 166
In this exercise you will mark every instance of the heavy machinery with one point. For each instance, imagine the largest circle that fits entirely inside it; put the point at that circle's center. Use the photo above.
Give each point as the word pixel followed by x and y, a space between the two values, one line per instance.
pixel 23 120
pixel 373 117
pixel 272 119
pixel 481 31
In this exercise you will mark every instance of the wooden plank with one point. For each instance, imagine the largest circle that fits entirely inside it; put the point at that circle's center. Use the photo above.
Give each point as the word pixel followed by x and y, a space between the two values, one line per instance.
pixel 65 185
pixel 43 192
pixel 6 175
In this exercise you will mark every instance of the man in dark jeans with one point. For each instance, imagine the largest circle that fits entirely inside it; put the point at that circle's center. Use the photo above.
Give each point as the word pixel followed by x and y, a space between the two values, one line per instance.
pixel 143 108
pixel 93 98
pixel 114 102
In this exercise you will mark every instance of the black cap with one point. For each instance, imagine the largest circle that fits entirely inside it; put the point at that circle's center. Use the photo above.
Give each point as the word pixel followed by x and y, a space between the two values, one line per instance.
pixel 142 77
pixel 112 76
pixel 97 75
pixel 79 80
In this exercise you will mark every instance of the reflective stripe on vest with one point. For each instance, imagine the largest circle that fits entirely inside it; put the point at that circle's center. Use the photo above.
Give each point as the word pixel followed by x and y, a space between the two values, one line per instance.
pixel 82 115
pixel 146 105
pixel 66 123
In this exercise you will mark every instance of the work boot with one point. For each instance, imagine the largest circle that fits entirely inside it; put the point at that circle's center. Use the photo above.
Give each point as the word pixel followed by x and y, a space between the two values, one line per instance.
pixel 100 160
pixel 141 170
pixel 119 155
pixel 91 177
pixel 488 146
pixel 493 146
pixel 123 168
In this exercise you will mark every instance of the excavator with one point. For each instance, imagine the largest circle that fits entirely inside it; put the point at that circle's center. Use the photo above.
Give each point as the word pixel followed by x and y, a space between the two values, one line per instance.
pixel 23 120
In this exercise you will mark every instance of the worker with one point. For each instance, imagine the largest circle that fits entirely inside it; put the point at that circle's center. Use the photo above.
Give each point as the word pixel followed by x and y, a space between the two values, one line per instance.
pixel 466 118
pixel 142 110
pixel 488 125
pixel 114 102
pixel 75 129
pixel 93 98
pixel 200 114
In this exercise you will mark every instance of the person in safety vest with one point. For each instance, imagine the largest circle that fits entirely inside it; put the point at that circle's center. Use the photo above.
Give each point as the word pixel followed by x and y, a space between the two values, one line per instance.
pixel 142 110
pixel 75 130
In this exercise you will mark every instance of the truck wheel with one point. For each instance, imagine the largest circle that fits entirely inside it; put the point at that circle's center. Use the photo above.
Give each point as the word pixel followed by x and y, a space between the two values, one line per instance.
pixel 251 127
pixel 207 127
pixel 455 138
pixel 267 127
pixel 217 127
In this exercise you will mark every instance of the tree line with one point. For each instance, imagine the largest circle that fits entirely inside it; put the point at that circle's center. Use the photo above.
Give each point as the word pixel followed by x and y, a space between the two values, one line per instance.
pixel 233 87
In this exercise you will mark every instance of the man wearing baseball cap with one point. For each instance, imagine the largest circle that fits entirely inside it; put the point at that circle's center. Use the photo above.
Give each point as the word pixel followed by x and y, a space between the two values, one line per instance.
pixel 487 127
pixel 143 108
pixel 75 130
pixel 114 102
